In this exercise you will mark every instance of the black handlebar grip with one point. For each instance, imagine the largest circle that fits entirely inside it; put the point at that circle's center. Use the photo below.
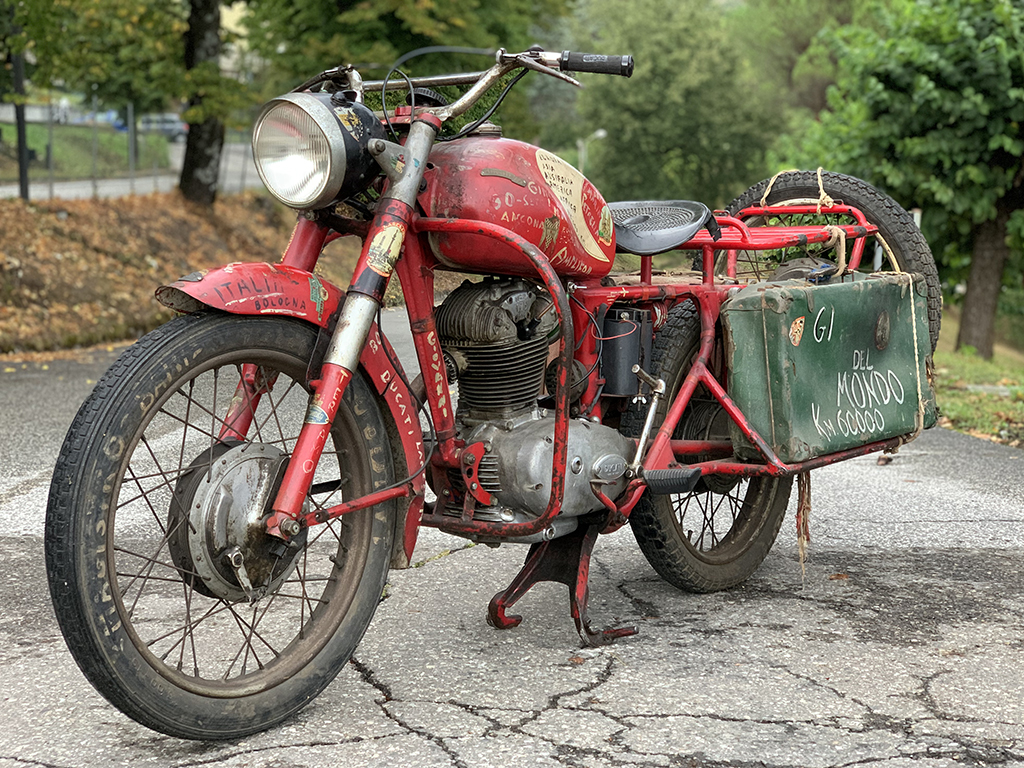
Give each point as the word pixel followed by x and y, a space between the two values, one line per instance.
pixel 598 63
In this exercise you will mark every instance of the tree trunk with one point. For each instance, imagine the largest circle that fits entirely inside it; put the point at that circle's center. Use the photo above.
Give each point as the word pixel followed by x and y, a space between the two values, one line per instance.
pixel 206 139
pixel 977 324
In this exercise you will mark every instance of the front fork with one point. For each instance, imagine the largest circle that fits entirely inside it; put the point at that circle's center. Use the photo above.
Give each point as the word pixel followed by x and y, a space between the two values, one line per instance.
pixel 404 166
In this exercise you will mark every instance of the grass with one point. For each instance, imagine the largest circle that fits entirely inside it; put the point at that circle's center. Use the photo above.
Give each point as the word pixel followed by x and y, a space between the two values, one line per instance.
pixel 994 415
pixel 73 152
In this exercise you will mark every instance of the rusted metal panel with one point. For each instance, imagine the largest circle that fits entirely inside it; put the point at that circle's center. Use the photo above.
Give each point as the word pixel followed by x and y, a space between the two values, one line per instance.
pixel 820 369
pixel 526 189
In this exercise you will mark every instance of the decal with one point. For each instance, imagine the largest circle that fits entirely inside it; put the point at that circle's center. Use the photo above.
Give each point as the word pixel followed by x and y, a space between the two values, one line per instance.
pixel 316 415
pixel 350 121
pixel 574 263
pixel 504 175
pixel 318 294
pixel 384 249
pixel 549 233
pixel 398 163
pixel 567 185
pixel 796 331
pixel 606 228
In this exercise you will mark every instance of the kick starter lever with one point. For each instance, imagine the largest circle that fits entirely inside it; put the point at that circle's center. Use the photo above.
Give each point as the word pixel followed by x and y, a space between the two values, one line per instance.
pixel 657 391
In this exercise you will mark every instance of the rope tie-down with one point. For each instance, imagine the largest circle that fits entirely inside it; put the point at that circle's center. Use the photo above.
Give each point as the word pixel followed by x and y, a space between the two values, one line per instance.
pixel 824 199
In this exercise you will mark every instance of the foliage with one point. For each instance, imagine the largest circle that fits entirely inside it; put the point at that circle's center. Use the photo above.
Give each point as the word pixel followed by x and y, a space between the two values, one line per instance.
pixel 785 40
pixel 303 37
pixel 121 51
pixel 26 27
pixel 930 107
pixel 691 122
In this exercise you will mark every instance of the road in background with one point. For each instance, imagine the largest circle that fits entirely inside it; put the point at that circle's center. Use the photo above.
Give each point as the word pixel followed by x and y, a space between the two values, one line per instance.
pixel 899 646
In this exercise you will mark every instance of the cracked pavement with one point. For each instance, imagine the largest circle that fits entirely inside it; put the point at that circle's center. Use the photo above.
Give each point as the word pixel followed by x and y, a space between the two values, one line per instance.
pixel 901 646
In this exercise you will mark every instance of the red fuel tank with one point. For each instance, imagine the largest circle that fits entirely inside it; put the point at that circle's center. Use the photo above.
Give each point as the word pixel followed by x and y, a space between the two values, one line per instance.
pixel 526 189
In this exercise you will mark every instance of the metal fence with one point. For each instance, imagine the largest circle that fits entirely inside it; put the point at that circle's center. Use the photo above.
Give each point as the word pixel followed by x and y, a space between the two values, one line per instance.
pixel 75 154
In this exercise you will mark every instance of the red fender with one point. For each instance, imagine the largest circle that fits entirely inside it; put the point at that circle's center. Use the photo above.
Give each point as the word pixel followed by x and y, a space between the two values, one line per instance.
pixel 275 289
pixel 255 289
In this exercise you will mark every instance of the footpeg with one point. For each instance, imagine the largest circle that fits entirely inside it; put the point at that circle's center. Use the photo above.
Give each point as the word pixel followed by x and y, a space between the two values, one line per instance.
pixel 678 480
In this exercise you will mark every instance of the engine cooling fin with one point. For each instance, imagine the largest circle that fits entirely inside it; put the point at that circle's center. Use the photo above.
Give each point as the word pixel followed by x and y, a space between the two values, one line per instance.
pixel 497 331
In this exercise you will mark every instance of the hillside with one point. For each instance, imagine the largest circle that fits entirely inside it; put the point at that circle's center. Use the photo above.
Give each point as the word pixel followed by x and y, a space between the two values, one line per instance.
pixel 76 272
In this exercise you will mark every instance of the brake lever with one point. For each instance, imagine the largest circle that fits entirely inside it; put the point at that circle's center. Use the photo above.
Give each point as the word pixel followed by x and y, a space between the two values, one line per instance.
pixel 526 62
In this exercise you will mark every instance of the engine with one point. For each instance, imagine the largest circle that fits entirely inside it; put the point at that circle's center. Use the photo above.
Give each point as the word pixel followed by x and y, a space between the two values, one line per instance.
pixel 496 335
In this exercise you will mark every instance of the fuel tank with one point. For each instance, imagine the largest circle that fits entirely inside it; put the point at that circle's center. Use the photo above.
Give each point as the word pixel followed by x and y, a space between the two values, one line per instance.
pixel 523 188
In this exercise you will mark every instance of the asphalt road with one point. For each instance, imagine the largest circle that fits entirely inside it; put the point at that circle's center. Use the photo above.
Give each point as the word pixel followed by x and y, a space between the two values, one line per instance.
pixel 900 646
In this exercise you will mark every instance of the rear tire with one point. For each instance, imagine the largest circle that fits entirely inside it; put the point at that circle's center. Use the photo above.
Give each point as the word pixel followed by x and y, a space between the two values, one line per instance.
pixel 903 246
pixel 156 618
pixel 716 536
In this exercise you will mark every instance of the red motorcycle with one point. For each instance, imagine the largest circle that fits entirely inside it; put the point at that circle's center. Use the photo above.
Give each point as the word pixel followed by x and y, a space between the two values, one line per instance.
pixel 228 501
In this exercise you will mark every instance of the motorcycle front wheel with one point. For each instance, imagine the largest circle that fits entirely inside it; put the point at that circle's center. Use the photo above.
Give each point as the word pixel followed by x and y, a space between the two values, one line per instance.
pixel 716 536
pixel 175 603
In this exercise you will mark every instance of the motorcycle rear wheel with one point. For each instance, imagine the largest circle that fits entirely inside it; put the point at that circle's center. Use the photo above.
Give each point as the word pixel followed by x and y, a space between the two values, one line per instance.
pixel 716 536
pixel 145 505
pixel 900 245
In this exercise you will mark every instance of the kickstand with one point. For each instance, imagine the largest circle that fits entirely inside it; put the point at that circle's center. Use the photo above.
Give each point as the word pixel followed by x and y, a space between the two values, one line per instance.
pixel 565 560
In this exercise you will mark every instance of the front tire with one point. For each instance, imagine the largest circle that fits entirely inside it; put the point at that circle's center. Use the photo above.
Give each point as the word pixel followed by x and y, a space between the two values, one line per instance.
pixel 153 612
pixel 716 536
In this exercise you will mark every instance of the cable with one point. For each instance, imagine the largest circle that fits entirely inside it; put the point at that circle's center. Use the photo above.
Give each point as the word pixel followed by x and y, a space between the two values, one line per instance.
pixel 383 94
pixel 477 123
pixel 597 338
pixel 412 55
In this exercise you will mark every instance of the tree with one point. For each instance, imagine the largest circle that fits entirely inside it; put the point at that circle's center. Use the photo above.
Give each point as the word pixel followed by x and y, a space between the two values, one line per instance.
pixel 120 51
pixel 304 37
pixel 691 122
pixel 930 106
pixel 150 53
pixel 201 165
pixel 783 39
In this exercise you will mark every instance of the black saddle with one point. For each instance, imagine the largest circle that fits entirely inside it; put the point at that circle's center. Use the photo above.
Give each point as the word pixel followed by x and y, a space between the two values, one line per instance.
pixel 650 227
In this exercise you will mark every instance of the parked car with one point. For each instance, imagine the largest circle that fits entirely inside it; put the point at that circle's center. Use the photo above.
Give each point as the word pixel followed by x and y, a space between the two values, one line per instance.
pixel 167 124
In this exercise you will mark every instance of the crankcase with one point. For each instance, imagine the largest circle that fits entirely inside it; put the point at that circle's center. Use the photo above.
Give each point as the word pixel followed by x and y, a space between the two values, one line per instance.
pixel 523 456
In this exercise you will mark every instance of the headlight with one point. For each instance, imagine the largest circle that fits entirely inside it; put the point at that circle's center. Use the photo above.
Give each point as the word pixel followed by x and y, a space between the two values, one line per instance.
pixel 311 151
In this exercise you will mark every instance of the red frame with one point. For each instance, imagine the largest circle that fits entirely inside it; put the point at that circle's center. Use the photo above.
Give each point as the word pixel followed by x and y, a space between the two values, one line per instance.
pixel 415 271
pixel 589 295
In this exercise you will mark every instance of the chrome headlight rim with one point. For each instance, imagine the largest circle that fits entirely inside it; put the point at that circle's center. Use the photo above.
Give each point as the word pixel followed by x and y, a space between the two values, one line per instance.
pixel 327 122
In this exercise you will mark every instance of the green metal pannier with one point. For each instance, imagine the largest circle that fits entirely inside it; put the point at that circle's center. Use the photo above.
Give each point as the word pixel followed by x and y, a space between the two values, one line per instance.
pixel 818 369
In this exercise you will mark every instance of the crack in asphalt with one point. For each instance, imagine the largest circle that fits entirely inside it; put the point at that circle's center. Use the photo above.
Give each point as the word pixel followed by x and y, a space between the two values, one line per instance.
pixel 370 678
pixel 442 555
pixel 858 607
pixel 16 490
pixel 27 761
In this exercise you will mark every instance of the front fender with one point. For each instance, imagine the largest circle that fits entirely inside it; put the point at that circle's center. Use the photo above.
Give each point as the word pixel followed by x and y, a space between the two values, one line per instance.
pixel 275 289
pixel 255 288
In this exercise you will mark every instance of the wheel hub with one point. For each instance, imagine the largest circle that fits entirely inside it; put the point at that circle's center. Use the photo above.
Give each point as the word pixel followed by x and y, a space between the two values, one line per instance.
pixel 707 420
pixel 217 537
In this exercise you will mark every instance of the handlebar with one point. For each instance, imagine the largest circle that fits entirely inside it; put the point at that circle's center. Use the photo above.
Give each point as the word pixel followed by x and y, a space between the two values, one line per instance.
pixel 598 63
pixel 547 62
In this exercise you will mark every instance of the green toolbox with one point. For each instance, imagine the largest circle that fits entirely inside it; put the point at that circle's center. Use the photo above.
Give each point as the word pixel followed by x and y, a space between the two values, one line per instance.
pixel 818 369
